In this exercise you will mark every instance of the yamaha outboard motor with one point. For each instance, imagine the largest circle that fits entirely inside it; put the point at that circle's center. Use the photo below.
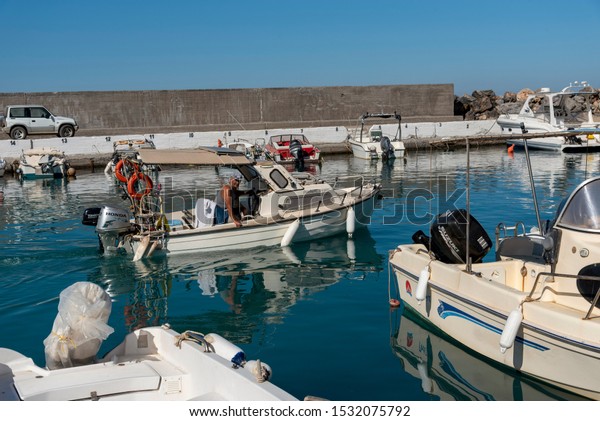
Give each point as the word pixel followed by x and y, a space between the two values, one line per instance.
pixel 387 149
pixel 448 240
pixel 111 223
pixel 298 154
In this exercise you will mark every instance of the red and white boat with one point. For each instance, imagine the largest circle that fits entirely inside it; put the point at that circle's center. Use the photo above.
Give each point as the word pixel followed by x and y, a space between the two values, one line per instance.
pixel 285 149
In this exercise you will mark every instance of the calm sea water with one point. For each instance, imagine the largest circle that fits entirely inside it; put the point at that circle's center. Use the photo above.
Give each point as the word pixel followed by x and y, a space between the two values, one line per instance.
pixel 317 313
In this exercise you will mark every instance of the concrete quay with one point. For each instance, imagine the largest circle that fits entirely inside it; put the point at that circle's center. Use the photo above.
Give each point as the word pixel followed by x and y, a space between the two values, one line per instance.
pixel 93 152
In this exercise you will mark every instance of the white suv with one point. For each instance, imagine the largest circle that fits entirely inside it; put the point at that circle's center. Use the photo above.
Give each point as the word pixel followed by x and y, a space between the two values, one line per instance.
pixel 21 120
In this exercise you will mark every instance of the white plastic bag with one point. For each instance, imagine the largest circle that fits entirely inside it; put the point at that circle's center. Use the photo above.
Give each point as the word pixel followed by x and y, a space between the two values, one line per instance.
pixel 80 326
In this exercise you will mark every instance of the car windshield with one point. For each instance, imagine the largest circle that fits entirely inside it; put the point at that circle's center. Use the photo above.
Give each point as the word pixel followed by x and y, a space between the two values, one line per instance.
pixel 582 211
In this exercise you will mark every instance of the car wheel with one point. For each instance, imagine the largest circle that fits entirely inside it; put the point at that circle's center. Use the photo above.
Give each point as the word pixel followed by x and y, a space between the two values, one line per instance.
pixel 66 131
pixel 18 133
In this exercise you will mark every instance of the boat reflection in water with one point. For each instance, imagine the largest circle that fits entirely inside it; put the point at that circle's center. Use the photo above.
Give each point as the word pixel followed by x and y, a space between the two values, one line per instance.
pixel 451 372
pixel 234 293
pixel 260 286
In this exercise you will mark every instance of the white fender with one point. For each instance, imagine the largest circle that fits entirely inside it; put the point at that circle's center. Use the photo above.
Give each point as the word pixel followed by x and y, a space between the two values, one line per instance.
pixel 289 234
pixel 351 249
pixel 421 292
pixel 350 222
pixel 108 169
pixel 226 349
pixel 261 371
pixel 509 333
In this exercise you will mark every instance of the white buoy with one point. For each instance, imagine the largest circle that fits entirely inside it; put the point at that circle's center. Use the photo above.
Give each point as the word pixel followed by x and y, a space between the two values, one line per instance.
pixel 421 292
pixel 509 333
pixel 350 222
pixel 226 349
pixel 289 234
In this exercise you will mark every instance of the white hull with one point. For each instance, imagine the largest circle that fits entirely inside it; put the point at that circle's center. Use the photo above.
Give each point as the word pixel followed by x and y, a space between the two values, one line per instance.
pixel 256 232
pixel 147 366
pixel 30 173
pixel 553 342
pixel 372 150
pixel 557 144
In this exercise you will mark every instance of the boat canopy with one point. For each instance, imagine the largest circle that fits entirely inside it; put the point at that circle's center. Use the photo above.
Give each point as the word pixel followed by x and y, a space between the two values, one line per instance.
pixel 200 156
pixel 582 210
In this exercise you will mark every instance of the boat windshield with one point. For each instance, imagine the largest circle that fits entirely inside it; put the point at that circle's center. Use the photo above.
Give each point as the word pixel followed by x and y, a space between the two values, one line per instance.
pixel 582 211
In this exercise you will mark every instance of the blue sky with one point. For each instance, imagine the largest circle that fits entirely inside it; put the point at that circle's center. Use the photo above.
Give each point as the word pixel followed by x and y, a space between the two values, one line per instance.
pixel 78 45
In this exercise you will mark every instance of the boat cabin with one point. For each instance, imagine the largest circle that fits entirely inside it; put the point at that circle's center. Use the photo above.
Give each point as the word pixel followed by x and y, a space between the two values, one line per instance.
pixel 560 108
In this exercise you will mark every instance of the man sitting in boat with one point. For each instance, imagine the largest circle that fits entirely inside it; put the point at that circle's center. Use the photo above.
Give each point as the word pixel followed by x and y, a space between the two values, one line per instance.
pixel 228 202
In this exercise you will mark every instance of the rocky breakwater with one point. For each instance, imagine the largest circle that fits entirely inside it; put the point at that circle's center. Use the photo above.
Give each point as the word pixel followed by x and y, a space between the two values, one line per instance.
pixel 486 105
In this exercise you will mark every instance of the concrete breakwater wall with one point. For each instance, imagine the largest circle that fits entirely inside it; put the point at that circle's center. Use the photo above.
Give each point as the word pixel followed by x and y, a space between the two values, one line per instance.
pixel 130 112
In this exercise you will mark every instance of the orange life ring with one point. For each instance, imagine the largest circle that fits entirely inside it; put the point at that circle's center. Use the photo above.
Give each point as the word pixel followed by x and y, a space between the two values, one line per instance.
pixel 138 176
pixel 119 169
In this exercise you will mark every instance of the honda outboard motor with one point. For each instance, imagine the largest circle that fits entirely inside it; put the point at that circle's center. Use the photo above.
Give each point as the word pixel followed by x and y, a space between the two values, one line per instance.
pixel 111 224
pixel 298 154
pixel 448 240
pixel 387 149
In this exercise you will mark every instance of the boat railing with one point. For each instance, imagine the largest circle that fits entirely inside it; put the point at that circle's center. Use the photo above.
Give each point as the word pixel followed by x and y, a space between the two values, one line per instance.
pixel 530 298
pixel 502 231
pixel 148 213
pixel 345 180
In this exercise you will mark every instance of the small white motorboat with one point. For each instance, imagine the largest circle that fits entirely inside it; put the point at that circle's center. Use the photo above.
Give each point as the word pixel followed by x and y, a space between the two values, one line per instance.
pixel 534 308
pixel 553 112
pixel 253 151
pixel 2 167
pixel 42 163
pixel 374 144
pixel 281 208
pixel 151 364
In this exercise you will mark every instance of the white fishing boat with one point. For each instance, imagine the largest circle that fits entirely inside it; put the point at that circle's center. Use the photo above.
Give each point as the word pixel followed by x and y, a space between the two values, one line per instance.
pixel 374 144
pixel 42 163
pixel 534 308
pixel 151 364
pixel 281 208
pixel 551 112
pixel 125 159
pixel 2 167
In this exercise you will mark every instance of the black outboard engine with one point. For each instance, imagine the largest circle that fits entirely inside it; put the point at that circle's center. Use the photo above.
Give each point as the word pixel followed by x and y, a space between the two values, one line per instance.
pixel 298 154
pixel 448 240
pixel 387 149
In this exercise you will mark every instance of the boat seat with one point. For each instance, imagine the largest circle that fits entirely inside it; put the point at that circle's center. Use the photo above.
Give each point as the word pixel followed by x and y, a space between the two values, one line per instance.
pixel 96 381
pixel 205 213
pixel 522 248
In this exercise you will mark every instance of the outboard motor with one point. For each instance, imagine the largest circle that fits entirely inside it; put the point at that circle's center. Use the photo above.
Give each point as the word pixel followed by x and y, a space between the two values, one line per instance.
pixel 90 216
pixel 448 240
pixel 298 154
pixel 387 149
pixel 111 223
